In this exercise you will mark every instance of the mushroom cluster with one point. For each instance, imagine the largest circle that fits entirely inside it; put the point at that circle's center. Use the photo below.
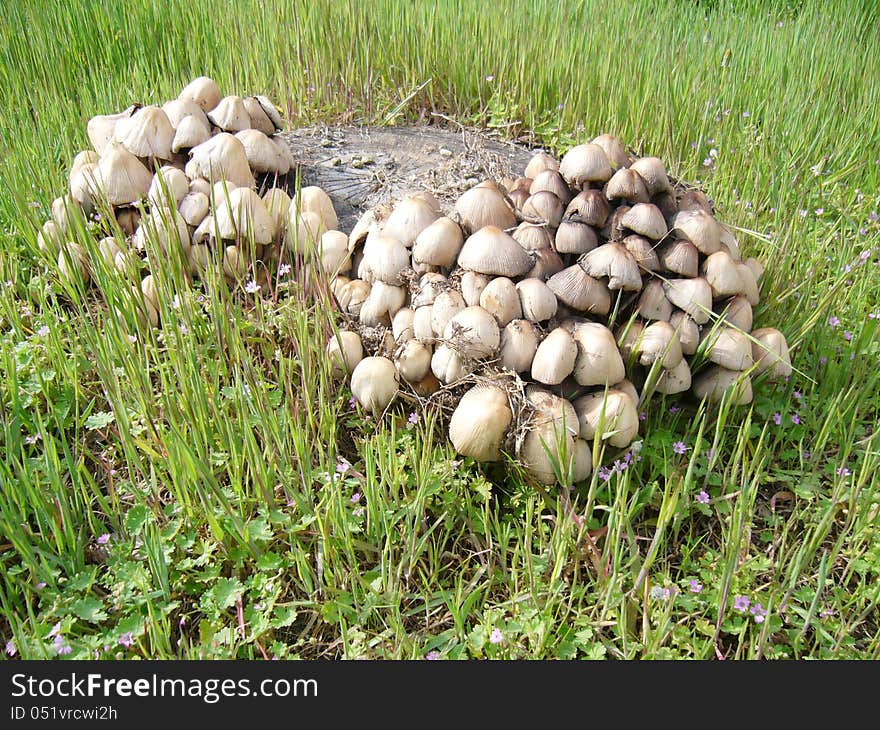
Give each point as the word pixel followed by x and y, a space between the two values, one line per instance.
pixel 543 311
pixel 551 307
pixel 184 177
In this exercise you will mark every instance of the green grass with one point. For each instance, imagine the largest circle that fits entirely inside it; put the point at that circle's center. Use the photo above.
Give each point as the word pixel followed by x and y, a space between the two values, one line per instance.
pixel 209 454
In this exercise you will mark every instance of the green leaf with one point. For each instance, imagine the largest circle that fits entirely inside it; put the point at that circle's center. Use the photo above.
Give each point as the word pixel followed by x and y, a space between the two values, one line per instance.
pixel 136 518
pixel 224 593
pixel 269 561
pixel 99 420
pixel 90 609
pixel 258 529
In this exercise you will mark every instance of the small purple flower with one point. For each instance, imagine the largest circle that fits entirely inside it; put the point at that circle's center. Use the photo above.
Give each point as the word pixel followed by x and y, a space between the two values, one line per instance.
pixel 43 331
pixel 184 330
pixel 56 630
pixel 413 419
pixel 175 303
pixel 741 603
pixel 873 217
pixel 284 269
pixel 10 648
pixel 710 454
pixel 490 78
pixel 694 586
pixel 182 621
pixel 847 336
pixel 343 465
pixel 864 255
pixel 352 403
pixel 41 585
pixel 432 655
pixel 797 394
pixel 496 637
pixel 674 409
pixel 604 473
pixel 103 539
pixel 777 418
pixel 703 497
pixel 795 419
pixel 746 115
pixel 759 612
pixel 31 440
pixel 863 231
pixel 820 211
pixel 679 447
pixel 802 213
pixel 62 648
pixel 826 613
pixel 843 471
pixel 642 416
pixel 455 463
pixel 707 162
pixel 126 640
pixel 252 287
pixel 834 321
pixel 823 360
pixel 356 497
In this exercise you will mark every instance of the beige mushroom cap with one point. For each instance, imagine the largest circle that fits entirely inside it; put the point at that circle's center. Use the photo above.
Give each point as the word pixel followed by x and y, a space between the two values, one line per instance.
pixel 614 150
pixel 653 304
pixel 598 359
pixel 716 381
pixel 700 228
pixel 614 262
pixel 585 163
pixel 627 184
pixel 408 219
pixel 519 342
pixel 221 157
pixel 679 257
pixel 230 114
pixel 243 216
pixel 203 91
pixel 653 172
pixel 262 153
pixel 590 207
pixel 190 132
pixel 693 296
pixel 728 348
pixel 344 351
pixel 659 341
pixel 479 422
pixel 257 116
pixel 121 177
pixel 646 220
pixel 575 237
pixel 146 133
pixel 540 161
pixel 473 333
pixel 438 244
pixel 501 299
pixel 484 206
pixel 312 199
pixel 721 271
pixel 492 251
pixel 770 353
pixel 575 288
pixel 101 128
pixel 675 380
pixel 537 301
pixel 374 384
pixel 610 416
pixel 554 360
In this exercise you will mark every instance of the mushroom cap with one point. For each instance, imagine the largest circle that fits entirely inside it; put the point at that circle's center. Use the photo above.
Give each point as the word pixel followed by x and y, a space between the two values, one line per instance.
pixel 721 271
pixel 492 251
pixel 537 301
pixel 546 449
pixel 694 296
pixel 242 215
pixel 749 283
pixel 575 237
pixel 729 348
pixel 446 305
pixel 382 304
pixel 519 342
pixel 271 111
pixel 501 299
pixel 314 200
pixel 413 359
pixel 203 91
pixel 679 257
pixel 659 341
pixel 484 206
pixel 278 204
pixel 479 422
pixel 430 286
pixel 646 220
pixel 166 228
pixel 374 384
pixel 230 114
pixel 614 150
pixel 688 332
pixel 81 185
pixel 345 350
pixel 550 408
pixel 700 228
pixel 737 312
pixel 194 207
pixel 547 263
pixel 221 157
pixel 448 366
pixel 590 207
pixel 473 333
pixel 258 118
pixel 168 184
pixel 543 207
pixel 146 133
pixel 598 360
pixel 642 250
pixel 585 163
pixel 333 250
pixel 422 324
pixel 555 357
pixel 533 236
pixel 653 303
pixel 653 172
pixel 540 161
pixel 262 153
pixel 551 181
pixel 81 159
pixel 408 219
pixel 627 184
pixel 385 259
pixel 179 109
pixel 770 353
pixel 675 380
pixel 120 176
pixel 575 288
pixel 402 324
pixel 607 415
pixel 613 261
pixel 438 243
pixel 102 127
pixel 716 381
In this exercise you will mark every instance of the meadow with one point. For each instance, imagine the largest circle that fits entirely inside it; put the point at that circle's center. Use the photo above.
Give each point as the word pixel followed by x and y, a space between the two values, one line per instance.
pixel 207 491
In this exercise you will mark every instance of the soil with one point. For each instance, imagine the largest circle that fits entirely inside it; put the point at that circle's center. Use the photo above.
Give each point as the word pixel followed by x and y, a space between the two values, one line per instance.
pixel 360 167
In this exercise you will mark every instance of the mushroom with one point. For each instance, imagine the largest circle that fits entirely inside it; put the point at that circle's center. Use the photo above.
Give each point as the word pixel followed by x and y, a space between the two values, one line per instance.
pixel 653 303
pixel 659 341
pixel 749 283
pixel 101 128
pixel 770 353
pixel 533 236
pixel 473 333
pixel 575 237
pixel 626 184
pixel 721 271
pixel 614 150
pixel 166 229
pixel 491 251
pixel 551 181
pixel 121 177
pixel 679 257
pixel 540 161
pixel 430 286
pixel 277 202
pixel 501 299
pixel 737 313
pixel 598 360
pixel 543 207
pixel 653 172
pixel 257 116
pixel 385 259
pixel 438 243
pixel 546 451
pixel 694 296
pixel 609 416
pixel 230 114
pixel 547 263
pixel 413 360
pixel 242 216
pixel 555 357
pixel 409 218
pixel 575 288
pixel 537 301
pixel 642 250
pixel 168 187
pixel 480 207
pixel 262 153
pixel 422 324
pixel 479 422
pixel 687 330
pixel 585 163
pixel 675 380
pixel 700 228
pixel 203 91
pixel 402 324
pixel 646 220
pixel 374 384
pixel 519 342
pixel 194 207
pixel 614 262
pixel 590 207
pixel 146 133
pixel 716 381
pixel 448 366
pixel 312 199
pixel 345 350
pixel 382 304
pixel 221 157
pixel 729 348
